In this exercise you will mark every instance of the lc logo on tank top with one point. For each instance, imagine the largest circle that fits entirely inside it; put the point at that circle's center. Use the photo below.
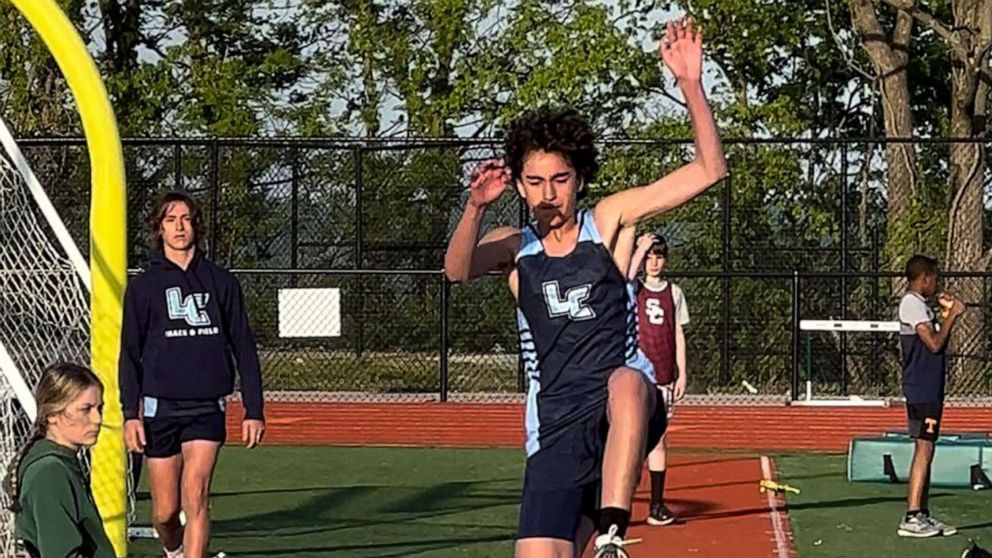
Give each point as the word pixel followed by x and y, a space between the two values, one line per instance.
pixel 192 310
pixel 573 304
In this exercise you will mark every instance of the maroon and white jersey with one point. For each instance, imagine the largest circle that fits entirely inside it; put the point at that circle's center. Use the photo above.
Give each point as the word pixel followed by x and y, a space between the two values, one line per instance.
pixel 659 309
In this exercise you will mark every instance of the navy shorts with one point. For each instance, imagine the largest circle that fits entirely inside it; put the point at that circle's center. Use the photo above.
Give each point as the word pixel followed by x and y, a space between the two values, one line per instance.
pixel 562 482
pixel 924 420
pixel 170 424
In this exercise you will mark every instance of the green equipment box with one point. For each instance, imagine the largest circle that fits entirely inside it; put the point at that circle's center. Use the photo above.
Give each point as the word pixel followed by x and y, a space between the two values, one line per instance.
pixel 960 460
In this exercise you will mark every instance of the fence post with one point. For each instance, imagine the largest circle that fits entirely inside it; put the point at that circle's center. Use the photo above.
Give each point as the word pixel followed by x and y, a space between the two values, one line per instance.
pixel 795 335
pixel 874 302
pixel 214 196
pixel 359 258
pixel 845 371
pixel 725 281
pixel 177 159
pixel 442 361
pixel 294 200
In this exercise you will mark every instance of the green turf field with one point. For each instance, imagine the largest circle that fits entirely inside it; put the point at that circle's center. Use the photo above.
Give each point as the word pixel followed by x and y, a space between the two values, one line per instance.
pixel 363 502
pixel 834 518
pixel 384 502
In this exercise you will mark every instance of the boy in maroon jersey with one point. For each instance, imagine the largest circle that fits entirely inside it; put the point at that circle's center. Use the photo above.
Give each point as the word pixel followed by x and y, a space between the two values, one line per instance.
pixel 661 313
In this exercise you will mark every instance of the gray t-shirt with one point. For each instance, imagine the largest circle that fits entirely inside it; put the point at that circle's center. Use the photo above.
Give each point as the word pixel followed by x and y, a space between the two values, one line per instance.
pixel 922 371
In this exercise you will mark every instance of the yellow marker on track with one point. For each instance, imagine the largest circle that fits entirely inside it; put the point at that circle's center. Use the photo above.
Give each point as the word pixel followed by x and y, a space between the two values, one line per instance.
pixel 768 484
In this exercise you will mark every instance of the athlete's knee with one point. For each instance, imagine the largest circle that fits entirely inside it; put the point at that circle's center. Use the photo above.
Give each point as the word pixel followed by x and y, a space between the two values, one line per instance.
pixel 626 383
pixel 662 446
pixel 165 516
pixel 543 548
pixel 196 494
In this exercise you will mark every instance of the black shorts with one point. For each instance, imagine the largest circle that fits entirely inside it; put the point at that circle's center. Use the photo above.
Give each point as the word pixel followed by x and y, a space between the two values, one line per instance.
pixel 924 420
pixel 169 424
pixel 553 508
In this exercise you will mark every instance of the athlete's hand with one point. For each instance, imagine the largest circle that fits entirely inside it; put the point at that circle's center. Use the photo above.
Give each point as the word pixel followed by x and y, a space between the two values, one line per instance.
pixel 680 388
pixel 958 307
pixel 488 181
pixel 134 435
pixel 252 431
pixel 646 240
pixel 682 49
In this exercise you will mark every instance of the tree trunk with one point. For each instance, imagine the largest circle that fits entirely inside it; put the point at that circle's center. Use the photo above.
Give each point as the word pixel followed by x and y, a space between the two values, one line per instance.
pixel 973 29
pixel 889 56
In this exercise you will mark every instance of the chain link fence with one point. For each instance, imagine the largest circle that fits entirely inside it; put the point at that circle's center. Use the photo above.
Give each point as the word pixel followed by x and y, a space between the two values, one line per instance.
pixel 798 228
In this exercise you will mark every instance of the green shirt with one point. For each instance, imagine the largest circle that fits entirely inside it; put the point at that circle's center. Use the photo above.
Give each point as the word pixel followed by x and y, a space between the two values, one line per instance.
pixel 58 517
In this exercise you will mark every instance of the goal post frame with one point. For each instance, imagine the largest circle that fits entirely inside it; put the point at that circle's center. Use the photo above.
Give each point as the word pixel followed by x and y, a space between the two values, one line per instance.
pixel 108 248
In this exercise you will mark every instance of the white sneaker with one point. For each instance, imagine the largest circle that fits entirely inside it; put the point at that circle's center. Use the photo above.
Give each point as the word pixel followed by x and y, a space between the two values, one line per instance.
pixel 918 526
pixel 609 545
pixel 945 530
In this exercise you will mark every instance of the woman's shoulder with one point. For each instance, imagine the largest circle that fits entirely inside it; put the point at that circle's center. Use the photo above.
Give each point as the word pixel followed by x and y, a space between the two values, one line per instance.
pixel 45 468
pixel 48 463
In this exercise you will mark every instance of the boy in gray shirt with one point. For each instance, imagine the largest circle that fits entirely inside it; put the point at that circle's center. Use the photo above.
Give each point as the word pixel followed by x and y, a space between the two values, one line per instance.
pixel 923 340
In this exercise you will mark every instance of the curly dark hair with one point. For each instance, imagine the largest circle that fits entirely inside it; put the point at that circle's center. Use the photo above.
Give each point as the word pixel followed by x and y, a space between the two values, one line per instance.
pixel 562 131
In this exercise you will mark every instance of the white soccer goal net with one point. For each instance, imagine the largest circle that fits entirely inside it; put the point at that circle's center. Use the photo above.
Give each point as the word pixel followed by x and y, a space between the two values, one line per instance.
pixel 44 303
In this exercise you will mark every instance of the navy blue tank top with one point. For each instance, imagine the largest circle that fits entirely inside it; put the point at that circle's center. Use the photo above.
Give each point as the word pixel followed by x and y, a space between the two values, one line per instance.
pixel 577 322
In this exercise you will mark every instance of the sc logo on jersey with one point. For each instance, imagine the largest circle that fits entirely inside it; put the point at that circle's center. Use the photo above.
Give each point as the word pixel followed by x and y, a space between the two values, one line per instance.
pixel 572 305
pixel 193 308
pixel 654 311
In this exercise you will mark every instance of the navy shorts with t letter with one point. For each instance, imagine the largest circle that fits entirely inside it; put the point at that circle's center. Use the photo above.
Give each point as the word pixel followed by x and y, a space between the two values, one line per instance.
pixel 924 420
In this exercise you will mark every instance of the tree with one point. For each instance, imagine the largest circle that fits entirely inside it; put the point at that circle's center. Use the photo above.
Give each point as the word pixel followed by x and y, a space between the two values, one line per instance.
pixel 965 42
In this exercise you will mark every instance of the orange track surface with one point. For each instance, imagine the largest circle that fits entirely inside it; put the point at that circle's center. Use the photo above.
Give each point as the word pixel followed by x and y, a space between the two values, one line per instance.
pixel 720 511
pixel 775 428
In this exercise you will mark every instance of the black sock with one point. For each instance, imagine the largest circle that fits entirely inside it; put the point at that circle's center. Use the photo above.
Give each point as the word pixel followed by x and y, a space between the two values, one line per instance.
pixel 613 516
pixel 912 513
pixel 657 488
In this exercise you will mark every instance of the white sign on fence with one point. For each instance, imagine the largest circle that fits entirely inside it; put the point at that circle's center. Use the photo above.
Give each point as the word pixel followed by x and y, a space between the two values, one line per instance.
pixel 309 312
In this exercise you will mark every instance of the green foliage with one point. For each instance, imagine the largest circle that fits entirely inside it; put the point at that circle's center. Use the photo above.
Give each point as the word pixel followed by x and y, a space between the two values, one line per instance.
pixel 468 67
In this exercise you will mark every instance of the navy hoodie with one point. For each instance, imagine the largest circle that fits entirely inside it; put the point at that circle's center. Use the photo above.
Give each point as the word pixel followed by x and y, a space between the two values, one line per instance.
pixel 180 332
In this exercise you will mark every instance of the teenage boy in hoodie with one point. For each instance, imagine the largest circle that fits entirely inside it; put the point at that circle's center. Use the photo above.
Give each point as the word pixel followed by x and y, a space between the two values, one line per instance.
pixel 185 331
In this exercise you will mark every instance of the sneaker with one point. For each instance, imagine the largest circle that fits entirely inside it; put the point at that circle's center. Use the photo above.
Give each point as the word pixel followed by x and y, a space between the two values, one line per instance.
pixel 609 545
pixel 918 526
pixel 660 515
pixel 945 530
pixel 975 551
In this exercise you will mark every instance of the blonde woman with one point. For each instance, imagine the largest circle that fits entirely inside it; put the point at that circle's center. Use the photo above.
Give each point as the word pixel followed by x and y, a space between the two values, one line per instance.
pixel 55 513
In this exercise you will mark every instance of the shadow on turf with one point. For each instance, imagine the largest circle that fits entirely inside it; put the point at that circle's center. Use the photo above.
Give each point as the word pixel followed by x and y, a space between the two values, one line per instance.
pixel 853 502
pixel 322 512
pixel 692 515
pixel 401 548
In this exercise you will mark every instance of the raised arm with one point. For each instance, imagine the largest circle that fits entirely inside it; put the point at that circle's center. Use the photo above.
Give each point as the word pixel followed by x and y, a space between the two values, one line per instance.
pixel 467 258
pixel 643 245
pixel 681 50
